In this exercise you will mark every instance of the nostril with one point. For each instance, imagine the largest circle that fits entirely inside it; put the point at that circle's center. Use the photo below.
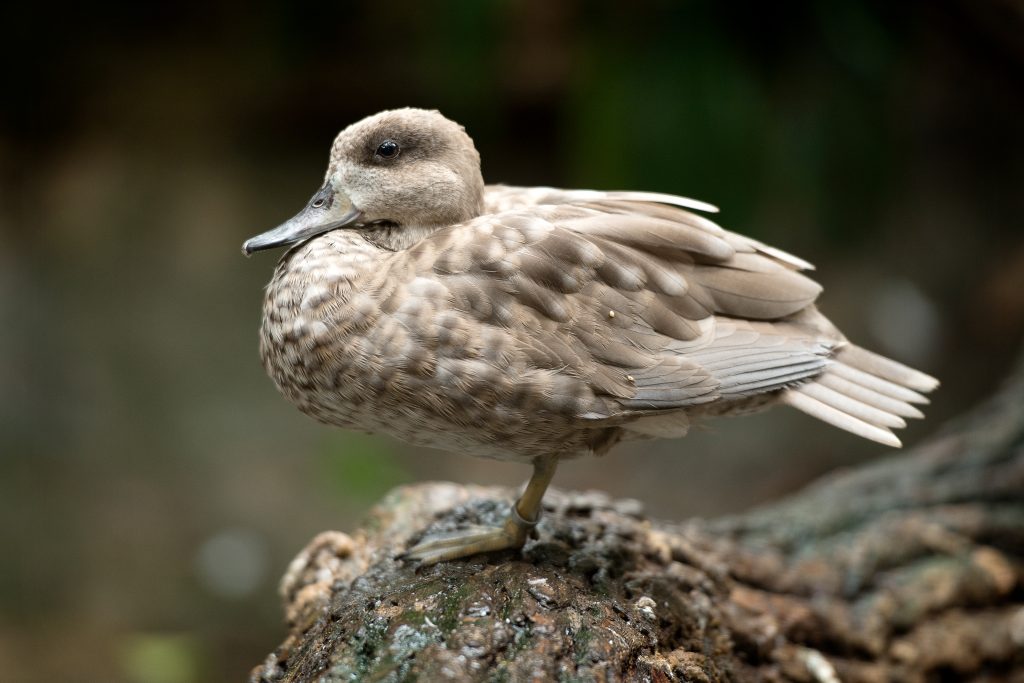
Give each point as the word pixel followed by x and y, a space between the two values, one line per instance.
pixel 318 203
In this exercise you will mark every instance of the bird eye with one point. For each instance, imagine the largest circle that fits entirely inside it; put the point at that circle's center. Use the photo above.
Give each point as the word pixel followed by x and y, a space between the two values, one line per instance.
pixel 388 149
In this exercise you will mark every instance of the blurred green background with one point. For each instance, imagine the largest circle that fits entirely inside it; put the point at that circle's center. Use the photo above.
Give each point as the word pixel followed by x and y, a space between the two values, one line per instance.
pixel 153 486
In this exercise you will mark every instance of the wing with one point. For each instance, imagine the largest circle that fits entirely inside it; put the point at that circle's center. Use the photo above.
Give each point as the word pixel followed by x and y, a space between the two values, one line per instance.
pixel 607 308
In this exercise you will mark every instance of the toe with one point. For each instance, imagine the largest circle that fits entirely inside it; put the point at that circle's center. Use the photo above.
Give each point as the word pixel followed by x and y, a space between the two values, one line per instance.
pixel 463 543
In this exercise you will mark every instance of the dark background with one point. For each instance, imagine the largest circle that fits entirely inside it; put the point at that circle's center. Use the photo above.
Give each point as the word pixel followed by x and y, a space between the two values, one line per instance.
pixel 153 486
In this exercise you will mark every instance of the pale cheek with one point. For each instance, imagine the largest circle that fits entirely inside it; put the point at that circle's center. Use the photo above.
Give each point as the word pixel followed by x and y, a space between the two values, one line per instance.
pixel 362 185
pixel 434 185
pixel 424 191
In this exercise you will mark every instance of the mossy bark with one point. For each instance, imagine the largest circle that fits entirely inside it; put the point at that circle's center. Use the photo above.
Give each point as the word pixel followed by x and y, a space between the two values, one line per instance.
pixel 907 569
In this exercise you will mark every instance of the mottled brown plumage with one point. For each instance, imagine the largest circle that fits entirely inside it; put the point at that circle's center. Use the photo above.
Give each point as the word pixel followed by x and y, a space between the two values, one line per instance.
pixel 535 324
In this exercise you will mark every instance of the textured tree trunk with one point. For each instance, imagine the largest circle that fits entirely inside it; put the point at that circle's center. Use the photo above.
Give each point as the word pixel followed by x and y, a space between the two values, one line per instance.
pixel 907 569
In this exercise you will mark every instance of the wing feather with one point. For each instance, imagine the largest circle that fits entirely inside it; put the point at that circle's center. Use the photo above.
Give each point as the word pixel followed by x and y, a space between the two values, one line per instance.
pixel 641 307
pixel 616 304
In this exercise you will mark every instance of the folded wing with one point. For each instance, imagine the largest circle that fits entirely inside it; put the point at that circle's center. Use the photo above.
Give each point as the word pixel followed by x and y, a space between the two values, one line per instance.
pixel 613 308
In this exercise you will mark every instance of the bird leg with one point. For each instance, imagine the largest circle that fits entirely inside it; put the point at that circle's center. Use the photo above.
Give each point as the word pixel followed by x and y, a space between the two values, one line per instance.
pixel 523 516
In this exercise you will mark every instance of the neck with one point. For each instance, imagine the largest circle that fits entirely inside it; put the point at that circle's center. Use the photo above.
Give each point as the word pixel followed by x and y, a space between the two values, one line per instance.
pixel 392 237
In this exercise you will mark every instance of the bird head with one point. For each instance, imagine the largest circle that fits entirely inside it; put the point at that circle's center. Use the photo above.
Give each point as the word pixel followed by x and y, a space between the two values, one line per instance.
pixel 405 168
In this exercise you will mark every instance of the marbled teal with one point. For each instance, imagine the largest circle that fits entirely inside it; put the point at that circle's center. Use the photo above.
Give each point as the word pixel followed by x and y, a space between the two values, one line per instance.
pixel 538 324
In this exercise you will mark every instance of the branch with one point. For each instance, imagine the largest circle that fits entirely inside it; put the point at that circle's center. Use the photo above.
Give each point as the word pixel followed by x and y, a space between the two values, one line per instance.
pixel 907 569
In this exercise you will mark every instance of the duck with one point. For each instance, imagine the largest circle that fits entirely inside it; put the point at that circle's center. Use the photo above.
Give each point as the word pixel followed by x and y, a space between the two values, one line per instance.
pixel 536 324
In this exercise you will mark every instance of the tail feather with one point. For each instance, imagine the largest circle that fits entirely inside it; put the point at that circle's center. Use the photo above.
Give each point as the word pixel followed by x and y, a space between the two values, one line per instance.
pixel 848 404
pixel 887 368
pixel 876 383
pixel 863 393
pixel 872 398
pixel 838 418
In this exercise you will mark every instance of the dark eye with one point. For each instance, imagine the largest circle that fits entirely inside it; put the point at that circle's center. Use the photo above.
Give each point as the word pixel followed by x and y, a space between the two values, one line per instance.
pixel 388 149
